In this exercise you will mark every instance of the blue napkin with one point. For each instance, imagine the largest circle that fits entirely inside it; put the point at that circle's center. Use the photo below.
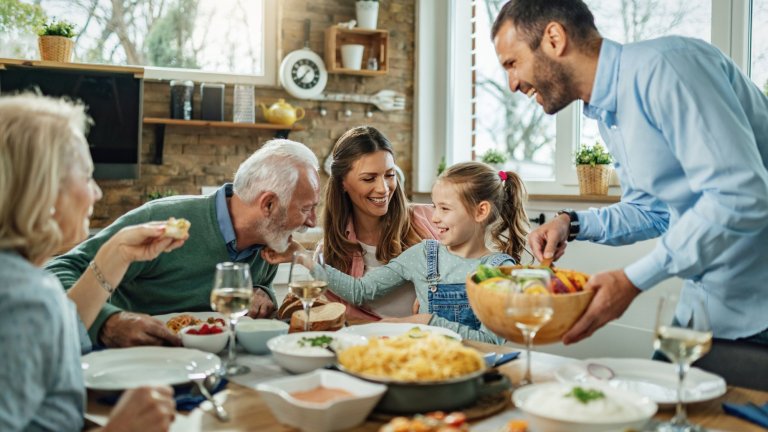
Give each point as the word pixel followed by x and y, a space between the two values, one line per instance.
pixel 185 399
pixel 749 412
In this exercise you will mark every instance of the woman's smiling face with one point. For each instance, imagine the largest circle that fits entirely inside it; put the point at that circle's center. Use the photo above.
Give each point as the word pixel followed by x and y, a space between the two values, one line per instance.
pixel 371 182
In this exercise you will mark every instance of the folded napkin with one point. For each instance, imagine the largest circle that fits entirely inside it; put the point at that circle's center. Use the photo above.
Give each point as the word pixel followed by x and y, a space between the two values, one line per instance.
pixel 186 399
pixel 749 412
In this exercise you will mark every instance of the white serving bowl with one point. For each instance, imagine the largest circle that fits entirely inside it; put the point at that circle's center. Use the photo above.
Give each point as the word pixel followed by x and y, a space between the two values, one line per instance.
pixel 212 343
pixel 541 405
pixel 294 358
pixel 253 334
pixel 326 416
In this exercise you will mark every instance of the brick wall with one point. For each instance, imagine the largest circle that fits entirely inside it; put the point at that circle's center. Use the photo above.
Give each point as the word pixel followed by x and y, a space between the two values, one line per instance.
pixel 196 157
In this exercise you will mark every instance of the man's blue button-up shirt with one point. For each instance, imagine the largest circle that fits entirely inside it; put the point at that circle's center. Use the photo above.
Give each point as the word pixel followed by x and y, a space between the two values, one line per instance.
pixel 689 134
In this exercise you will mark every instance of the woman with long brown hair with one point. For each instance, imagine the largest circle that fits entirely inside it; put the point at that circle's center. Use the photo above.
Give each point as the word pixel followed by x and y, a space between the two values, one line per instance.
pixel 367 219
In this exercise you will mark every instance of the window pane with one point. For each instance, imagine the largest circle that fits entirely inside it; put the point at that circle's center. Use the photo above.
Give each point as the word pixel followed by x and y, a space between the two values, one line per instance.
pixel 512 124
pixel 630 21
pixel 225 36
pixel 759 55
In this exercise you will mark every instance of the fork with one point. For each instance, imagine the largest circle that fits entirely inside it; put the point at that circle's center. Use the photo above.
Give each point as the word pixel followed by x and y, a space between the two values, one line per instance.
pixel 200 380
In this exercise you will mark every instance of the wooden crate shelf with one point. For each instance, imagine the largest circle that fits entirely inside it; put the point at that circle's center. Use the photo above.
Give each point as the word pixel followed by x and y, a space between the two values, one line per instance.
pixel 376 43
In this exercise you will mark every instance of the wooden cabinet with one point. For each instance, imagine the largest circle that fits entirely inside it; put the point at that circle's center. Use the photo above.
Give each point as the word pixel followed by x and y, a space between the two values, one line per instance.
pixel 375 43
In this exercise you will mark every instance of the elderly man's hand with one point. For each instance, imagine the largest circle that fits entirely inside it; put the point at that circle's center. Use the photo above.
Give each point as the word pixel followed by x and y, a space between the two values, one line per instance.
pixel 261 304
pixel 143 409
pixel 614 293
pixel 126 329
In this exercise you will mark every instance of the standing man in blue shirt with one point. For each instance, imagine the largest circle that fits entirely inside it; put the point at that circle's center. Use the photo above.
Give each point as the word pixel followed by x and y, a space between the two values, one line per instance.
pixel 689 133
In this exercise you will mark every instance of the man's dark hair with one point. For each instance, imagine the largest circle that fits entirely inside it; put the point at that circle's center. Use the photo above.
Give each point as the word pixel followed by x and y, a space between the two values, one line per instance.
pixel 531 17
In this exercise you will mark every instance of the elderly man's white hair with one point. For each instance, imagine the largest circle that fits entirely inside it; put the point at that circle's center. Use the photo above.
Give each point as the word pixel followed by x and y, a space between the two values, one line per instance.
pixel 275 167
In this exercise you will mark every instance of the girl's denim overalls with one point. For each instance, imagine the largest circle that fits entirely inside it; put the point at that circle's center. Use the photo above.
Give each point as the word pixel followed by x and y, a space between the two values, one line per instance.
pixel 450 301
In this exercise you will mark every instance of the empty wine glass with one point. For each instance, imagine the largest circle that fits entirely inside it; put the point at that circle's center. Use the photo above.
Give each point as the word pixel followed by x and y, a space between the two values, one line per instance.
pixel 308 279
pixel 682 343
pixel 231 295
pixel 530 306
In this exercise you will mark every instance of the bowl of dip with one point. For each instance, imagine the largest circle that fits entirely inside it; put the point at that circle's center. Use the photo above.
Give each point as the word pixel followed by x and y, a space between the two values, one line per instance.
pixel 321 401
pixel 595 407
pixel 253 334
pixel 306 351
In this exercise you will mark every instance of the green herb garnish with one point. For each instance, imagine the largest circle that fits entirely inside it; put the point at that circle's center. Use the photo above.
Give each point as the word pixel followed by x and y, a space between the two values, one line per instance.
pixel 318 341
pixel 585 396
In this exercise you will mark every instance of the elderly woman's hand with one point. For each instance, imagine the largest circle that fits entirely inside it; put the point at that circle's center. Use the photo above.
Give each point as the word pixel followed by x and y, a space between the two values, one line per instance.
pixel 273 257
pixel 142 242
pixel 143 409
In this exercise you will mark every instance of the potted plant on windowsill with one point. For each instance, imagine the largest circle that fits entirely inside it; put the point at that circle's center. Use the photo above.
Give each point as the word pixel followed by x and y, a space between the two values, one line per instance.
pixel 55 41
pixel 593 168
pixel 494 158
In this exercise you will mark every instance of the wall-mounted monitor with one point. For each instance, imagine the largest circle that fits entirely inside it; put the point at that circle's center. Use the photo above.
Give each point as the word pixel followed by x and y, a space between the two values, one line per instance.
pixel 114 101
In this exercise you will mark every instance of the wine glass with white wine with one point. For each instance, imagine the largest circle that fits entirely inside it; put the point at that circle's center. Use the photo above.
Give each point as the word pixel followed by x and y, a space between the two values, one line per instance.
pixel 308 279
pixel 530 306
pixel 682 343
pixel 231 296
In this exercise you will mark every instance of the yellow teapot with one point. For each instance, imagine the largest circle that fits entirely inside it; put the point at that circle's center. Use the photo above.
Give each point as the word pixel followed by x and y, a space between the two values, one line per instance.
pixel 282 113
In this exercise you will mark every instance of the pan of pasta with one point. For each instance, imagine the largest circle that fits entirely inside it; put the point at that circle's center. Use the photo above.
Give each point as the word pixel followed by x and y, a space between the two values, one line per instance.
pixel 423 372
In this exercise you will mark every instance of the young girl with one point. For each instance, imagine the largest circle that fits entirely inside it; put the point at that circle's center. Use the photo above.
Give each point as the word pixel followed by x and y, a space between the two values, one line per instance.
pixel 470 198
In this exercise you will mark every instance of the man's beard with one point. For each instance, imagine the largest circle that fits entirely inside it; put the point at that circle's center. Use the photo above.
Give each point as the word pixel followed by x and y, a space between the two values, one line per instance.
pixel 554 83
pixel 276 235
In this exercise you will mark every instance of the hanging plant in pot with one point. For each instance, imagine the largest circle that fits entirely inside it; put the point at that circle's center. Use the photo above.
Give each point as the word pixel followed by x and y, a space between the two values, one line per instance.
pixel 593 168
pixel 55 41
pixel 367 12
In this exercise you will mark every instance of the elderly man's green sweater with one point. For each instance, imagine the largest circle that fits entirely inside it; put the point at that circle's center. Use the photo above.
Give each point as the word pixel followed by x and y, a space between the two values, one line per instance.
pixel 179 281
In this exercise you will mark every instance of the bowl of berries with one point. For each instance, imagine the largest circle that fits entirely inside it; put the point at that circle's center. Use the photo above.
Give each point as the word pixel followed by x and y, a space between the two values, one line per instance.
pixel 210 337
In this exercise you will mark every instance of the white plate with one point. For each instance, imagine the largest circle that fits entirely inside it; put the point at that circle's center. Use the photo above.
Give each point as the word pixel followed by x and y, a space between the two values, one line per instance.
pixel 395 329
pixel 123 368
pixel 655 379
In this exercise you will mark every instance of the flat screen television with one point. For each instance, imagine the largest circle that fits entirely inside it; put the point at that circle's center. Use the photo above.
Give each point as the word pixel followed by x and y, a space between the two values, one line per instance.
pixel 114 101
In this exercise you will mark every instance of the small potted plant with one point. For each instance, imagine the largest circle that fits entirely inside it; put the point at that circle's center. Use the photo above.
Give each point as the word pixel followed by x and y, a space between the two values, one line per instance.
pixel 494 158
pixel 367 12
pixel 593 168
pixel 55 40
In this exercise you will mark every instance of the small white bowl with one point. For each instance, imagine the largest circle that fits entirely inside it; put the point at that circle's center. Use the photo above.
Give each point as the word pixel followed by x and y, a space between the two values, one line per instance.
pixel 253 334
pixel 541 404
pixel 321 417
pixel 212 343
pixel 288 353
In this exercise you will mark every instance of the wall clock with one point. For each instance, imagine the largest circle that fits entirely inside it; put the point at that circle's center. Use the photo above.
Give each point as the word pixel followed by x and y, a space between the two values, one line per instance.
pixel 302 72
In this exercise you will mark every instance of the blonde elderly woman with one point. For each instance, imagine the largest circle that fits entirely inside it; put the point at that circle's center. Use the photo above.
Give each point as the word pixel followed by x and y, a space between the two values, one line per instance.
pixel 46 200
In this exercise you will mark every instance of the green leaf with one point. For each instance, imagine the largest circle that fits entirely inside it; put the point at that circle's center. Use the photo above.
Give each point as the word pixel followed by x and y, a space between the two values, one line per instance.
pixel 585 396
pixel 593 155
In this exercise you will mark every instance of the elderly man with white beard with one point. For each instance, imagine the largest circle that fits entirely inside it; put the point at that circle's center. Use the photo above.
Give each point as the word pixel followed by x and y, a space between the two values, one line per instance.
pixel 275 193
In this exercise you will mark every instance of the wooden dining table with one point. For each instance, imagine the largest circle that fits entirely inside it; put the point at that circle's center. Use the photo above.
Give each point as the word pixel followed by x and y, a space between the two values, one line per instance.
pixel 250 413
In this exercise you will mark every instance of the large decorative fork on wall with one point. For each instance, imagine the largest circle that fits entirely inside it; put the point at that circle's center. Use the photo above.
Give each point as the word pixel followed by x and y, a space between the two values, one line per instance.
pixel 384 100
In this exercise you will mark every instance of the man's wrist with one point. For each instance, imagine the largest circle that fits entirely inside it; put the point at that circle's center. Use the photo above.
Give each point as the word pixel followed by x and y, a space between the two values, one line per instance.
pixel 573 226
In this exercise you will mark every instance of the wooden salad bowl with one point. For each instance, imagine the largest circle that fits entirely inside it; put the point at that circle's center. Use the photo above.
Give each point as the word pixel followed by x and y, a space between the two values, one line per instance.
pixel 490 303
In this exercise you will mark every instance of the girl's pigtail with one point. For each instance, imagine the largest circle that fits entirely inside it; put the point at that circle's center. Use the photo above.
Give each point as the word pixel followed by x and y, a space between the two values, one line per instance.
pixel 509 233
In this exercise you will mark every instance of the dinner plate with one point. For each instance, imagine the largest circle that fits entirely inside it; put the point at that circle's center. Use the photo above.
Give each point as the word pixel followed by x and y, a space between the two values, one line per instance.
pixel 374 330
pixel 655 379
pixel 123 368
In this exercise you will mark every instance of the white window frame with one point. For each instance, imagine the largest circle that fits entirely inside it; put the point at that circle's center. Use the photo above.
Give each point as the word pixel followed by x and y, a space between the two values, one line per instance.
pixel 272 52
pixel 442 101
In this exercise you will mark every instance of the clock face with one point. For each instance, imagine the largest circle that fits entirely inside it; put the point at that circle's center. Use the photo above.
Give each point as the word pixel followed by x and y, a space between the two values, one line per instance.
pixel 305 73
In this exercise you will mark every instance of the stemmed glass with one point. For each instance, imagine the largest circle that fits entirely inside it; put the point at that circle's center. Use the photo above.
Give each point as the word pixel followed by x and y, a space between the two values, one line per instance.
pixel 530 306
pixel 308 279
pixel 231 295
pixel 682 343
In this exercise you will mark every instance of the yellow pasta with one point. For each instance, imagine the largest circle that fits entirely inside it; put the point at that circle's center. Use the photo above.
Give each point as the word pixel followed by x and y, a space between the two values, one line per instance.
pixel 180 321
pixel 429 357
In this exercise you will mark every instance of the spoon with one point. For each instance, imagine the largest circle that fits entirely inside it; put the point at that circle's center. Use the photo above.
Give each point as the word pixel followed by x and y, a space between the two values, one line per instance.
pixel 202 380
pixel 601 372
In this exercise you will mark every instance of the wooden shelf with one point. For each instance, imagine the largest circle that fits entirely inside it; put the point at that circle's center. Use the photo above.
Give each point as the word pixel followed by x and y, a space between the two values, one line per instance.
pixel 376 43
pixel 160 124
pixel 220 124
pixel 137 72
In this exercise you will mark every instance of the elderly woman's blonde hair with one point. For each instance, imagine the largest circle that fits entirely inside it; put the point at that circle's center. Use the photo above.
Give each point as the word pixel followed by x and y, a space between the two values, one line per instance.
pixel 40 141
